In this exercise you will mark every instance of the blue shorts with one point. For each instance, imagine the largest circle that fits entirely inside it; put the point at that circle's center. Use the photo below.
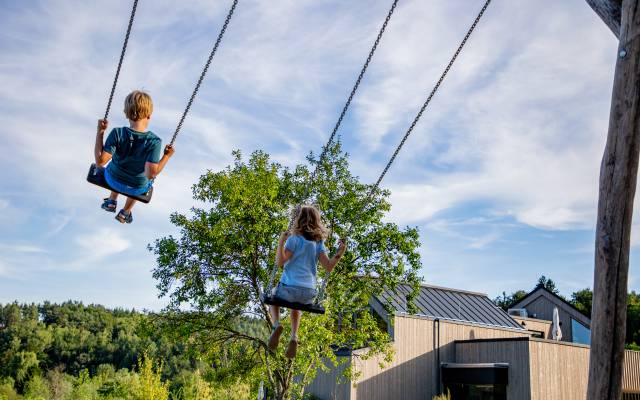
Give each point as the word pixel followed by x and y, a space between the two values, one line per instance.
pixel 125 189
pixel 296 294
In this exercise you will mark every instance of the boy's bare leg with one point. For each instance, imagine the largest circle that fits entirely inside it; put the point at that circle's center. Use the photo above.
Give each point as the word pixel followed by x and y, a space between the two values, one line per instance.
pixel 113 196
pixel 129 204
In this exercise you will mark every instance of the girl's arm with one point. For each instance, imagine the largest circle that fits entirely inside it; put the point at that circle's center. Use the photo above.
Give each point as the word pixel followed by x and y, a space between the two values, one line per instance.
pixel 102 157
pixel 283 255
pixel 151 170
pixel 330 263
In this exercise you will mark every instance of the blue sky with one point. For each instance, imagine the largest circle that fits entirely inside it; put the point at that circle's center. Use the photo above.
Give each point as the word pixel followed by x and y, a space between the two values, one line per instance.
pixel 500 175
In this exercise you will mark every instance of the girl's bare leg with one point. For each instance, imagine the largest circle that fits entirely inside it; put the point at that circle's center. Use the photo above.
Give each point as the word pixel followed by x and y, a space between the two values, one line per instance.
pixel 275 314
pixel 295 323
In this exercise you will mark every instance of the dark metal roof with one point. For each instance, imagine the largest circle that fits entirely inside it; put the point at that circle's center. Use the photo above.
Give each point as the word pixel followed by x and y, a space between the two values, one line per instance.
pixel 450 304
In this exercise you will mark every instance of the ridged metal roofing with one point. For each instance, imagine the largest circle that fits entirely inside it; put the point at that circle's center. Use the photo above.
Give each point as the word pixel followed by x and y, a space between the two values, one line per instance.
pixel 450 304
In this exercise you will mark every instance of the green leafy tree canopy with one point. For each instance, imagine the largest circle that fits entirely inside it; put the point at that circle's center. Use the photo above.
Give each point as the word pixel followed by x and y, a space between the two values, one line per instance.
pixel 221 260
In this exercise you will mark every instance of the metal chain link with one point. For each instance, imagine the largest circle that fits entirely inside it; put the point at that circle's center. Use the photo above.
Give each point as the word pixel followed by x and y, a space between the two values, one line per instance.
pixel 426 103
pixel 204 71
pixel 325 149
pixel 413 125
pixel 124 49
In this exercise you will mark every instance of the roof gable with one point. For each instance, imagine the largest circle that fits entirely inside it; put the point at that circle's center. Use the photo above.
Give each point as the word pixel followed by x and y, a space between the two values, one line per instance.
pixel 540 292
pixel 449 304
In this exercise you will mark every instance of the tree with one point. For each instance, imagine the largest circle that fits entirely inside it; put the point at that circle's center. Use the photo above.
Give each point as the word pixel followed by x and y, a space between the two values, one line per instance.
pixel 548 284
pixel 582 300
pixel 633 319
pixel 222 258
pixel 505 302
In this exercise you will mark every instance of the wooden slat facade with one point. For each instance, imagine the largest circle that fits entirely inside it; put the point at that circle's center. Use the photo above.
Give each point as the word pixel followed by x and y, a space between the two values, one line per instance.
pixel 414 372
pixel 559 370
pixel 538 369
pixel 513 352
pixel 540 304
pixel 631 374
pixel 325 386
pixel 536 325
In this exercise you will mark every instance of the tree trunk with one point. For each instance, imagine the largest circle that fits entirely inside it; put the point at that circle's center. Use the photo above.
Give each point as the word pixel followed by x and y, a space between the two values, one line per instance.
pixel 618 175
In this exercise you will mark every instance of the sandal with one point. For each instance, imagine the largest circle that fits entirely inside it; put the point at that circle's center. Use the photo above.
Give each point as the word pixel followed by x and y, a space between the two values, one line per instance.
pixel 125 217
pixel 109 205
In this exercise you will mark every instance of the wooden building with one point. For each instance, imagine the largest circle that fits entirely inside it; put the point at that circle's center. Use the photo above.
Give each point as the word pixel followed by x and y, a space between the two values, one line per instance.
pixel 539 305
pixel 460 341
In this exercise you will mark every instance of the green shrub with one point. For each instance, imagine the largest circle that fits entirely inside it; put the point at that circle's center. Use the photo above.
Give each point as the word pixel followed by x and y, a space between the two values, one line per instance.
pixel 192 386
pixel 238 390
pixel 149 383
pixel 37 388
pixel 7 391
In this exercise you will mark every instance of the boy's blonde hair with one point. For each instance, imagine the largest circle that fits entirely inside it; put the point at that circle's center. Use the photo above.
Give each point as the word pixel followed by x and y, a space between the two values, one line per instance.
pixel 309 224
pixel 138 105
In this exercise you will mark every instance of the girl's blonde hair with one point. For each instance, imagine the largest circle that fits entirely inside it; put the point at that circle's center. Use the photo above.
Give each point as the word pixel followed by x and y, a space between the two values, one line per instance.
pixel 309 224
pixel 138 105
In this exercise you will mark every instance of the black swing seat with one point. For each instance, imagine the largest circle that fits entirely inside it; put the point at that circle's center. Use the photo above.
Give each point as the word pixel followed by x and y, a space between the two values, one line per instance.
pixel 96 176
pixel 277 301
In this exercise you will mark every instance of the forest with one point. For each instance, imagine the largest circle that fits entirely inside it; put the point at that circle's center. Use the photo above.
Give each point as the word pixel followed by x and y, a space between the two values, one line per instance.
pixel 75 351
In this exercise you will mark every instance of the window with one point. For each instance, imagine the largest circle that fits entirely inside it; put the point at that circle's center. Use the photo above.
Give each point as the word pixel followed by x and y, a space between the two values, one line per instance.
pixel 581 334
pixel 477 392
pixel 476 381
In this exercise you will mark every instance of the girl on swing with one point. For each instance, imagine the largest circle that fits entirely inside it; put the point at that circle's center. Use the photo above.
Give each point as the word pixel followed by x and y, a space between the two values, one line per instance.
pixel 299 250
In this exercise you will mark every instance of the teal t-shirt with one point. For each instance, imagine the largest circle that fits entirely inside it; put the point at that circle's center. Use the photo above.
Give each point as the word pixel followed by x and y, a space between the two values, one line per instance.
pixel 301 268
pixel 130 150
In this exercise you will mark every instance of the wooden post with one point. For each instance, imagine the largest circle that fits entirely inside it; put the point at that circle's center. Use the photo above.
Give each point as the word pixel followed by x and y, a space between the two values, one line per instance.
pixel 618 176
pixel 610 11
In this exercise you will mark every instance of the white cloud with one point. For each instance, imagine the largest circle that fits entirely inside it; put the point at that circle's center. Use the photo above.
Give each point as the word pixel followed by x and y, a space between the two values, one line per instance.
pixel 97 245
pixel 22 248
pixel 518 125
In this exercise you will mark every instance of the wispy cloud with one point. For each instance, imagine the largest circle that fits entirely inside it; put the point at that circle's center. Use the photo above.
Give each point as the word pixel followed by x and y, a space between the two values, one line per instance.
pixel 517 127
pixel 97 246
pixel 21 248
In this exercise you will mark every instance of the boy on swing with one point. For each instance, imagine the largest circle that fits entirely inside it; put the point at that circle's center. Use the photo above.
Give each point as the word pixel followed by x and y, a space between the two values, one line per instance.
pixel 134 153
pixel 299 251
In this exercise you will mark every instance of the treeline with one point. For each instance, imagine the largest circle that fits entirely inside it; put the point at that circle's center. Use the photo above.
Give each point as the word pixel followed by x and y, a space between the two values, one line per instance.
pixel 75 351
pixel 582 300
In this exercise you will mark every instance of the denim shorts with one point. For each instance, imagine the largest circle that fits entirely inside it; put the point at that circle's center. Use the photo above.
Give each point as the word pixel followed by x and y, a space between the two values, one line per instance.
pixel 296 294
pixel 123 188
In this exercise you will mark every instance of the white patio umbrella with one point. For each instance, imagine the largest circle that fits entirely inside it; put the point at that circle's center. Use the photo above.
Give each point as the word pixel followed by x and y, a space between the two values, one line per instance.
pixel 556 332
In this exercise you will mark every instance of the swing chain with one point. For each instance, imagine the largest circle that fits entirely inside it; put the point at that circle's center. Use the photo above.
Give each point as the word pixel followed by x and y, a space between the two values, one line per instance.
pixel 325 149
pixel 426 103
pixel 375 187
pixel 124 49
pixel 204 71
